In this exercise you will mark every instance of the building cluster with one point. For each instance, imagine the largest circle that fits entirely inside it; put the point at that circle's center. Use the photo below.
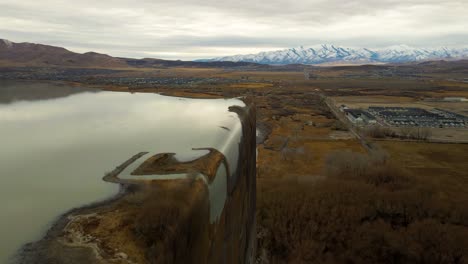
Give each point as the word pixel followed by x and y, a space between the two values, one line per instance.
pixel 405 116
pixel 411 116
pixel 109 77
pixel 358 116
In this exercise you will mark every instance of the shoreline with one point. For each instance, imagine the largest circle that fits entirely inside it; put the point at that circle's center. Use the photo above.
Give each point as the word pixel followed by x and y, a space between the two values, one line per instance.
pixel 37 252
pixel 112 177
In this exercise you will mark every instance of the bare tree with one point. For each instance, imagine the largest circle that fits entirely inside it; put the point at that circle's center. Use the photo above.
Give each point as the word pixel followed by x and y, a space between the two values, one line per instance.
pixel 406 132
pixel 425 133
pixel 378 131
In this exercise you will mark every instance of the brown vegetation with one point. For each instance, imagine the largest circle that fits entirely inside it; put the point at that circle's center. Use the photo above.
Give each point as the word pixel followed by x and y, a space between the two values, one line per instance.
pixel 171 223
pixel 418 133
pixel 415 133
pixel 167 164
pixel 378 131
pixel 440 165
pixel 365 211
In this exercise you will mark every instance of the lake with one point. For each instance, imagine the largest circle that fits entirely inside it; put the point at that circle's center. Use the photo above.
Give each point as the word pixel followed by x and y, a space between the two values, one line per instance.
pixel 58 141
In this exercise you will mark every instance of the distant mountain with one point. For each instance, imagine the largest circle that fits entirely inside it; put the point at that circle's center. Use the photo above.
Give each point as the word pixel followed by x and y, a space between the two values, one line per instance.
pixel 43 55
pixel 330 54
pixel 38 55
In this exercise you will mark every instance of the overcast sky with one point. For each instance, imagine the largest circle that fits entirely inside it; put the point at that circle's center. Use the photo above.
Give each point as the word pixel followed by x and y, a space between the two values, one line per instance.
pixel 190 29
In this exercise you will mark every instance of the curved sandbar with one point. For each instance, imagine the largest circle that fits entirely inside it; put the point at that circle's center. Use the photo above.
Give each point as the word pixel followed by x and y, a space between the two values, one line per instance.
pixel 112 176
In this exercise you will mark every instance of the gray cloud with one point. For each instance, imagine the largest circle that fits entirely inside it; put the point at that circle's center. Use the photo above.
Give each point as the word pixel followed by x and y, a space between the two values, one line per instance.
pixel 189 29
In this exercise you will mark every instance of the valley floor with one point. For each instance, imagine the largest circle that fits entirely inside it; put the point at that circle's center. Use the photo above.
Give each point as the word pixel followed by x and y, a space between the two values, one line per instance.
pixel 323 197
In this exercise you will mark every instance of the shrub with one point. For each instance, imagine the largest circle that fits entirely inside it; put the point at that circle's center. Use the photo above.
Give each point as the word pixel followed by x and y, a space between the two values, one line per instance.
pixel 378 131
pixel 366 210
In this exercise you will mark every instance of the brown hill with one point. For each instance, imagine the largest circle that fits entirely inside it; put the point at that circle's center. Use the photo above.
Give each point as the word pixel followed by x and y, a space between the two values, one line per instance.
pixel 29 54
pixel 38 55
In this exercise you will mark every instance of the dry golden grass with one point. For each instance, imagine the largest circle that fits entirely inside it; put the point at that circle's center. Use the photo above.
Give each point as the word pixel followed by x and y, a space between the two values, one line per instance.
pixel 452 134
pixel 372 99
pixel 304 158
pixel 443 164
pixel 251 85
pixel 398 101
pixel 378 100
pixel 443 93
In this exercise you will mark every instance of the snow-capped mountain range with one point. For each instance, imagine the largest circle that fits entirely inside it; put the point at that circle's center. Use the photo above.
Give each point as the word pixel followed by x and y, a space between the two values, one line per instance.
pixel 324 54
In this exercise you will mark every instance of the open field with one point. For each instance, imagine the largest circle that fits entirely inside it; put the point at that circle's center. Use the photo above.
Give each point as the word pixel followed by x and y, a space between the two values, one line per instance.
pixel 444 165
pixel 450 134
pixel 399 101
pixel 302 160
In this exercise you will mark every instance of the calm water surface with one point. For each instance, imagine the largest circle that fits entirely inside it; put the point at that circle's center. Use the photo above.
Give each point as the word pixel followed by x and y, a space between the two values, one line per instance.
pixel 57 142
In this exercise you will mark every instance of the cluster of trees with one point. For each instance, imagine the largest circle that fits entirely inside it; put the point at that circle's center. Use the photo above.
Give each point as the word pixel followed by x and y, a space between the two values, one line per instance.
pixel 366 210
pixel 416 133
pixel 378 131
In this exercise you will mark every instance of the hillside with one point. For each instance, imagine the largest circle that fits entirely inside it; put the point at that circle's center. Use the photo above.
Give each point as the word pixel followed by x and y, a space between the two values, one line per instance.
pixel 29 54
pixel 39 55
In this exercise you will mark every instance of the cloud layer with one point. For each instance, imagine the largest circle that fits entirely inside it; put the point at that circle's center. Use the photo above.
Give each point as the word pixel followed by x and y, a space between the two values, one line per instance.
pixel 189 29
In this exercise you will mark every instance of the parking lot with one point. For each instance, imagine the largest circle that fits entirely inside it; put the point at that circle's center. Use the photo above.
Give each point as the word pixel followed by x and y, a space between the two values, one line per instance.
pixel 412 116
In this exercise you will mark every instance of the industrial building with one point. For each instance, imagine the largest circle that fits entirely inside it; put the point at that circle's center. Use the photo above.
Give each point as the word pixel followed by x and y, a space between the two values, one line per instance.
pixel 359 116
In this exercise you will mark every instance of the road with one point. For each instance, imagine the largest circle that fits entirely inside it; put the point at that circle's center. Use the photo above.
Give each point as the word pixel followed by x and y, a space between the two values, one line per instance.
pixel 369 146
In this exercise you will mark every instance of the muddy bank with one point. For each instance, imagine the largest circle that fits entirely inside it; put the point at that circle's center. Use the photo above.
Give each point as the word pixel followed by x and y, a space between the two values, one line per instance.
pixel 51 250
pixel 263 131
